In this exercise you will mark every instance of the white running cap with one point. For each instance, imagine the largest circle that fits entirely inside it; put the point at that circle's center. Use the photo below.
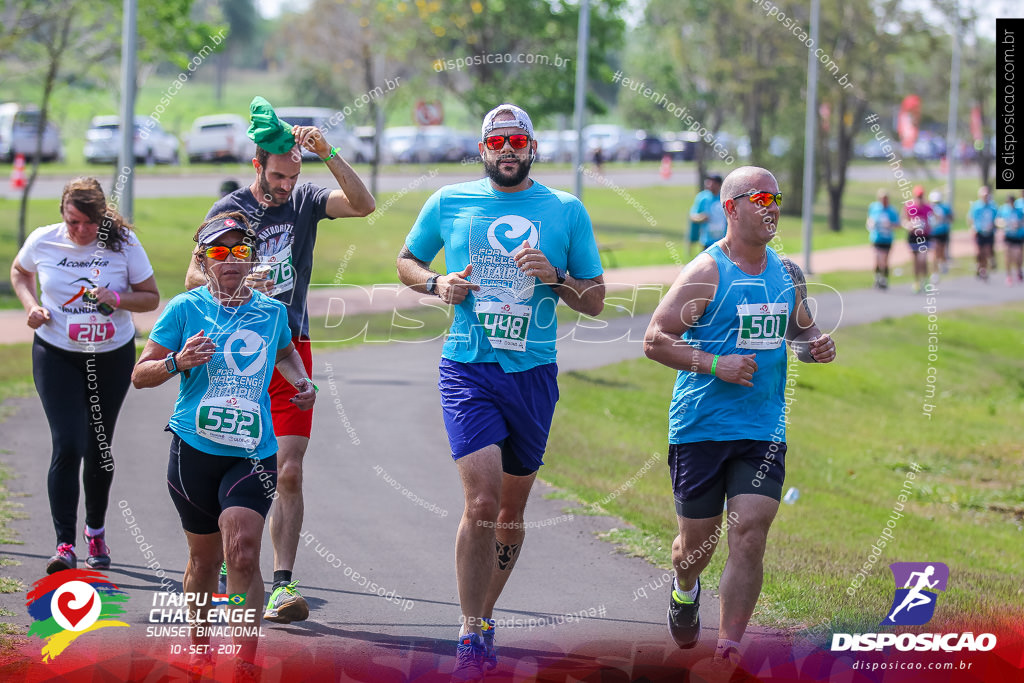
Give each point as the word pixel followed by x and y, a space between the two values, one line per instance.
pixel 521 119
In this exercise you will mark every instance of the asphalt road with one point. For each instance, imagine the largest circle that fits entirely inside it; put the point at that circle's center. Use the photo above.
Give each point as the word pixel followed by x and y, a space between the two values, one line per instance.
pixel 384 501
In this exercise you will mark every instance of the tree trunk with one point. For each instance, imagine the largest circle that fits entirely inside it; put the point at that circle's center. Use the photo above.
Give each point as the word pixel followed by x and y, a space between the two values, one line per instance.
pixel 374 111
pixel 835 206
pixel 55 53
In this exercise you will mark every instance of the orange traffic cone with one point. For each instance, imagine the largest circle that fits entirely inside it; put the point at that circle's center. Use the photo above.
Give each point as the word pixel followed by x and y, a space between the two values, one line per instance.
pixel 18 173
pixel 666 167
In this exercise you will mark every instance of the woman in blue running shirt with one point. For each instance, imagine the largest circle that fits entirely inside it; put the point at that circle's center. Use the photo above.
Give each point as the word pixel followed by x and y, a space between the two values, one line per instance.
pixel 223 341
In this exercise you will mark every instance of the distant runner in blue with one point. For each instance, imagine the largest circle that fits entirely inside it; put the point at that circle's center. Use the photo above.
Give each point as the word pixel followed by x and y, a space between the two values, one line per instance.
pixel 722 326
pixel 981 217
pixel 707 220
pixel 1010 218
pixel 513 248
pixel 942 223
pixel 882 218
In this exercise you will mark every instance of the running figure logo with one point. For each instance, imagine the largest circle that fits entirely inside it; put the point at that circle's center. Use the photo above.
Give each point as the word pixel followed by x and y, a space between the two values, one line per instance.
pixel 914 603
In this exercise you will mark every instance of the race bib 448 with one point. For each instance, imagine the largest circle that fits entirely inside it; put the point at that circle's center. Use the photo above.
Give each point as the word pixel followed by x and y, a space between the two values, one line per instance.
pixel 762 326
pixel 504 324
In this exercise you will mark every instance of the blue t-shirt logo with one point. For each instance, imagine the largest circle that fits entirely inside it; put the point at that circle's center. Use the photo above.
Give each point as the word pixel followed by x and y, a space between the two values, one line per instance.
pixel 247 358
pixel 517 227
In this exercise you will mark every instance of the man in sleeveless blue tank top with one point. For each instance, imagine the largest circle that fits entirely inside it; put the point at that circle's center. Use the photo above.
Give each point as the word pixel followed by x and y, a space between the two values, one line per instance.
pixel 512 249
pixel 722 326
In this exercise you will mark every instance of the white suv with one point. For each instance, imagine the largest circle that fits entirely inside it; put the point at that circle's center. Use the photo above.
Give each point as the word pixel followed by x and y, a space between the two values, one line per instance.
pixel 219 137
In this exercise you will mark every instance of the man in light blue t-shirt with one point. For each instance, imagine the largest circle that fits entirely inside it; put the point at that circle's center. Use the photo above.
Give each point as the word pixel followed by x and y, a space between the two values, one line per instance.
pixel 513 248
pixel 707 214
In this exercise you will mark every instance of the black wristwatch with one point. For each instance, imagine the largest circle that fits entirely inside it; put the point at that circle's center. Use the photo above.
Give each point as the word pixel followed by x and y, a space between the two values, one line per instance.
pixel 432 284
pixel 560 276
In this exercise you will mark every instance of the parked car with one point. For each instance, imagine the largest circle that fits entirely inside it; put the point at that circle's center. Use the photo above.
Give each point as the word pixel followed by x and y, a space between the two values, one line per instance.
pixel 421 145
pixel 556 146
pixel 332 124
pixel 648 146
pixel 220 137
pixel 616 143
pixel 19 125
pixel 681 146
pixel 152 144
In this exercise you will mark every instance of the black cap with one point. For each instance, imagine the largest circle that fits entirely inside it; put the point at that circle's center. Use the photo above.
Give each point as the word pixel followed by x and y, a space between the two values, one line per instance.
pixel 717 177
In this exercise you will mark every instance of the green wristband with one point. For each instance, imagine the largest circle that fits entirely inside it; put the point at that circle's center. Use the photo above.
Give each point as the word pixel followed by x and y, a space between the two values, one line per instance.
pixel 714 364
pixel 334 153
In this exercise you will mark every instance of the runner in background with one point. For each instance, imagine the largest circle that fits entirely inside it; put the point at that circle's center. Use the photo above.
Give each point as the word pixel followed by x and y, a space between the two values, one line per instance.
pixel 882 218
pixel 941 225
pixel 92 274
pixel 1010 219
pixel 916 220
pixel 707 213
pixel 981 218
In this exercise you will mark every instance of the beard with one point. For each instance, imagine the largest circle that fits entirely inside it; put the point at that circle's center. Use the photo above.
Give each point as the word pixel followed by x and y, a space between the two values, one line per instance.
pixel 501 179
pixel 267 192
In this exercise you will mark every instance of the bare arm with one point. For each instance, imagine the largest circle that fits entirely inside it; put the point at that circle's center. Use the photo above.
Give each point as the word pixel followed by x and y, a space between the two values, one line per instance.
pixel 803 335
pixel 581 295
pixel 353 199
pixel 289 363
pixel 140 298
pixel 151 371
pixel 24 284
pixel 451 288
pixel 680 310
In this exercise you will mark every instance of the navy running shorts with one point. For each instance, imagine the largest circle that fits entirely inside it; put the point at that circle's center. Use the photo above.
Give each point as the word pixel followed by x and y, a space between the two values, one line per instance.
pixel 706 473
pixel 203 485
pixel 484 405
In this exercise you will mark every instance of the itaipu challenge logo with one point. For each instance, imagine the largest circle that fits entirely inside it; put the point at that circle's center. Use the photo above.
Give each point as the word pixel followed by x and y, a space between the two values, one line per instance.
pixel 69 604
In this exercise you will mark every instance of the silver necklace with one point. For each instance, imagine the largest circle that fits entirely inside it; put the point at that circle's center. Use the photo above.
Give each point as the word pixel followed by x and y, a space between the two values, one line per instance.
pixel 728 254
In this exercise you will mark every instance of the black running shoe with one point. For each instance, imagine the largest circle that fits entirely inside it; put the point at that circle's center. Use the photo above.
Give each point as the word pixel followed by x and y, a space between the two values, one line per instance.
pixel 684 619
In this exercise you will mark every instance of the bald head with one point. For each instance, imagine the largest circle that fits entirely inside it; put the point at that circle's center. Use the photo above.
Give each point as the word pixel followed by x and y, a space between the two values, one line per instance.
pixel 747 178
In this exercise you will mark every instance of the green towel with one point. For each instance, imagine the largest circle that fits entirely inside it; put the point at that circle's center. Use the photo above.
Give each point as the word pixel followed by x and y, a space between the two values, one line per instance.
pixel 268 131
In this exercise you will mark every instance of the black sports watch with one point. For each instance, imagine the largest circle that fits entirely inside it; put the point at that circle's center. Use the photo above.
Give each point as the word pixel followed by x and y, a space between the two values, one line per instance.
pixel 560 276
pixel 432 284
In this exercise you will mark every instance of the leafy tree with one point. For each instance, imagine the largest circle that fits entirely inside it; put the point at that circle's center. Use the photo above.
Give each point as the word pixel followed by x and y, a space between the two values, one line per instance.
pixel 64 39
pixel 490 51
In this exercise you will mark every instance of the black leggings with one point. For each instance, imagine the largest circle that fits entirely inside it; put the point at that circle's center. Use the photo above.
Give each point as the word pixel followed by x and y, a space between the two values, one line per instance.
pixel 82 394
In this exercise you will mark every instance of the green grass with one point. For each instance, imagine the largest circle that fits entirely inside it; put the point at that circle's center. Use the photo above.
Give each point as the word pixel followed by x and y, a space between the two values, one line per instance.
pixel 857 425
pixel 9 511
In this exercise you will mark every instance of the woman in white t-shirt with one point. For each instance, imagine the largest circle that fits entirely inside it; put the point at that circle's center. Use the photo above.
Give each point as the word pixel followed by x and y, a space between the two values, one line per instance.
pixel 92 273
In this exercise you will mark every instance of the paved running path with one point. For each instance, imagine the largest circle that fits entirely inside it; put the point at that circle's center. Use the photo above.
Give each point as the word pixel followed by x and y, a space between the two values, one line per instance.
pixel 384 501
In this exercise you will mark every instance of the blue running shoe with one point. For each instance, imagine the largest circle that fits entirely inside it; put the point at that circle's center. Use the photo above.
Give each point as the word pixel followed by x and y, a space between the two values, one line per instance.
pixel 490 652
pixel 469 656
